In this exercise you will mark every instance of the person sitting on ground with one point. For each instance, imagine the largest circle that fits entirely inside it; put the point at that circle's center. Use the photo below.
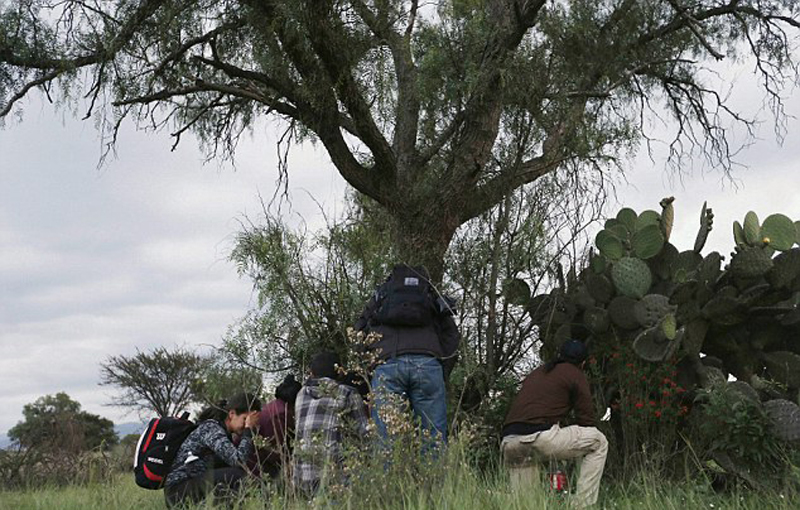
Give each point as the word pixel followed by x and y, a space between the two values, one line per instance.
pixel 327 414
pixel 194 472
pixel 533 426
pixel 276 426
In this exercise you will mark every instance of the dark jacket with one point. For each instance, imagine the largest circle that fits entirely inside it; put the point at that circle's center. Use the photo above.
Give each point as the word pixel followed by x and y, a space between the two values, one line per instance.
pixel 439 339
pixel 547 397
pixel 206 444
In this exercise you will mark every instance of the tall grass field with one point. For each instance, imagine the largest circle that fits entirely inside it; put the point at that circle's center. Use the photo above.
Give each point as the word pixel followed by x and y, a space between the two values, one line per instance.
pixel 460 489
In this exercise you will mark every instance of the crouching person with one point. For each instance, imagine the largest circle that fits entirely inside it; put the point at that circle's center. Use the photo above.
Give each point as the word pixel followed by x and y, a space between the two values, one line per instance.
pixel 208 461
pixel 533 429
pixel 327 413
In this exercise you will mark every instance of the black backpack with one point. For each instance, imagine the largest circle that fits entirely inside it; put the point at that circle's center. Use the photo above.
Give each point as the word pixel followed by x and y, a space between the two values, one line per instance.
pixel 157 447
pixel 406 299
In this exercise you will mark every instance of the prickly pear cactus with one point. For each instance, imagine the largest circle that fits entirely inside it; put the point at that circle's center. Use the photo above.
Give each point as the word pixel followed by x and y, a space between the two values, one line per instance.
pixel 631 277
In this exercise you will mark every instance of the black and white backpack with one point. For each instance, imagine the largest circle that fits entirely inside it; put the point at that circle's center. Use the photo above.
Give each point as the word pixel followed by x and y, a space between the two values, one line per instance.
pixel 406 299
pixel 157 447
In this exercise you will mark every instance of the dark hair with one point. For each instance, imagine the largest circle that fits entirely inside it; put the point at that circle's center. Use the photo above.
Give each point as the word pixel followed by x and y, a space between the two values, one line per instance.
pixel 239 403
pixel 571 351
pixel 288 389
pixel 323 364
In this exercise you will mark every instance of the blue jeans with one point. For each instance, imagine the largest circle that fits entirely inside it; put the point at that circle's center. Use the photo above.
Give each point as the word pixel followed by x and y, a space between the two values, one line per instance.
pixel 419 379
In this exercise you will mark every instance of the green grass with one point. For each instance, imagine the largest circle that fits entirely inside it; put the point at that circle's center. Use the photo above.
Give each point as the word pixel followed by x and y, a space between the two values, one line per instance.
pixel 461 489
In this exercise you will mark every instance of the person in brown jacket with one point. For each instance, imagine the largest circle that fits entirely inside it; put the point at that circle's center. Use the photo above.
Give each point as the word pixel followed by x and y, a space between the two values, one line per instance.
pixel 534 428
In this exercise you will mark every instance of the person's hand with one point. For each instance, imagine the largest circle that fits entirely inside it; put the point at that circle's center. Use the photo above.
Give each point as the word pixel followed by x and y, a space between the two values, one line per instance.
pixel 251 421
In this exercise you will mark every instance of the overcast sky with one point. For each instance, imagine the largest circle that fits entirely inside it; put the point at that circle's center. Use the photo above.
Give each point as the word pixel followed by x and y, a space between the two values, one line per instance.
pixel 95 263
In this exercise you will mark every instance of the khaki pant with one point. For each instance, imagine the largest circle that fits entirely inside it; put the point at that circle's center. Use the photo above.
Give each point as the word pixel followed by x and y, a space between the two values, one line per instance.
pixel 523 454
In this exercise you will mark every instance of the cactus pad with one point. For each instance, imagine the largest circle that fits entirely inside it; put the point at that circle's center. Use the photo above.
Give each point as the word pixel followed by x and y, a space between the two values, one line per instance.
pixel 596 319
pixel 724 310
pixel 687 262
pixel 621 311
pixel 738 234
pixel 786 267
pixel 784 367
pixel 599 287
pixel 651 308
pixel 647 242
pixel 709 270
pixel 609 245
pixel 785 416
pixel 631 277
pixel 648 217
pixel 667 216
pixel 780 231
pixel 750 262
pixel 752 229
pixel 693 337
pixel 706 223
pixel 598 263
pixel 516 291
pixel 628 217
pixel 652 345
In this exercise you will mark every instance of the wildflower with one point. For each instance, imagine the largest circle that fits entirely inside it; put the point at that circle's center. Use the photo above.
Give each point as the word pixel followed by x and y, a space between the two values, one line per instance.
pixel 652 402
pixel 657 414
pixel 639 405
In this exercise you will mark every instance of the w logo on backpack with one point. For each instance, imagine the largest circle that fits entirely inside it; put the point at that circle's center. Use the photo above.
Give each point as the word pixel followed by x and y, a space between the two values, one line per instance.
pixel 157 447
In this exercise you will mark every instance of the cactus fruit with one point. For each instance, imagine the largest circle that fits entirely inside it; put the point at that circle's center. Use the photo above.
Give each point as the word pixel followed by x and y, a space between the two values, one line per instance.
pixel 752 229
pixel 784 367
pixel 651 308
pixel 631 277
pixel 785 416
pixel 706 223
pixel 780 231
pixel 667 216
pixel 647 242
pixel 627 217
pixel 621 312
pixel 750 262
pixel 609 245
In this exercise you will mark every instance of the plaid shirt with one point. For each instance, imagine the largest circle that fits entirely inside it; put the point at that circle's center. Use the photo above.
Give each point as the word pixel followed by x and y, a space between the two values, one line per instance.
pixel 326 413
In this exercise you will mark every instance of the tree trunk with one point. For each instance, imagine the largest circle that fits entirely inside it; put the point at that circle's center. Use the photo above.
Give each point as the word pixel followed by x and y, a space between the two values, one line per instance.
pixel 422 235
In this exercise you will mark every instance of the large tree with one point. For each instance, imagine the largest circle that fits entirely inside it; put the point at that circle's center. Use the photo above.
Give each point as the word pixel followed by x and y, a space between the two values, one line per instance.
pixel 434 110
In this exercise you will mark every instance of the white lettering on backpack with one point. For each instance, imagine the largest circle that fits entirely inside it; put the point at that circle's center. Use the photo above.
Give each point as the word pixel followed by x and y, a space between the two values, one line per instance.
pixel 155 460
pixel 160 436
pixel 411 281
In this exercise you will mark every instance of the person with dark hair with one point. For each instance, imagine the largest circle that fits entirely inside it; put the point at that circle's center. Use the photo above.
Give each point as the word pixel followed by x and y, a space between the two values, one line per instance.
pixel 195 472
pixel 418 345
pixel 276 426
pixel 327 414
pixel 534 427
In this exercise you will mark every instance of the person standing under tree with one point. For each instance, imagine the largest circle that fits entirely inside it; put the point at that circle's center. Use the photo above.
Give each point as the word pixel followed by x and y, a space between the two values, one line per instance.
pixel 417 345
pixel 533 428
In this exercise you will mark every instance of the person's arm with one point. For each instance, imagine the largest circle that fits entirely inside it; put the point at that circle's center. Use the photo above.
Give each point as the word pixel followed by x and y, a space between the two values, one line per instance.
pixel 216 440
pixel 363 321
pixel 584 407
pixel 449 339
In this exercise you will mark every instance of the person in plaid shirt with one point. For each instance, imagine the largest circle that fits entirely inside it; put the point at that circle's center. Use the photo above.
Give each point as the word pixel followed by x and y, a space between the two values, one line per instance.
pixel 326 413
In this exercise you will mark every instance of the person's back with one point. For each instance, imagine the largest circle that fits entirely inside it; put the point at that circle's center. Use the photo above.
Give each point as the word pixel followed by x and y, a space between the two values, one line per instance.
pixel 327 413
pixel 535 425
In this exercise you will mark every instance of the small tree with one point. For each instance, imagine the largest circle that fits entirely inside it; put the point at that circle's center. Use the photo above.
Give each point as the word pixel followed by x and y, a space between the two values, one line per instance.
pixel 162 380
pixel 56 422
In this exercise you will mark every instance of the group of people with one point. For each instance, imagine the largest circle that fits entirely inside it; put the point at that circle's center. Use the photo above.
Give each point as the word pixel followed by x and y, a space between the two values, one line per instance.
pixel 415 342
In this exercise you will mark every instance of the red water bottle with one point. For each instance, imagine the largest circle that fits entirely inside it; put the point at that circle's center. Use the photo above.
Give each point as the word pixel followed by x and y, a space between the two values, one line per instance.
pixel 558 481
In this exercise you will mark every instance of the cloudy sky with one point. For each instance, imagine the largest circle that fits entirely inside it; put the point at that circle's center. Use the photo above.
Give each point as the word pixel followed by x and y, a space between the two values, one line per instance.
pixel 100 262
